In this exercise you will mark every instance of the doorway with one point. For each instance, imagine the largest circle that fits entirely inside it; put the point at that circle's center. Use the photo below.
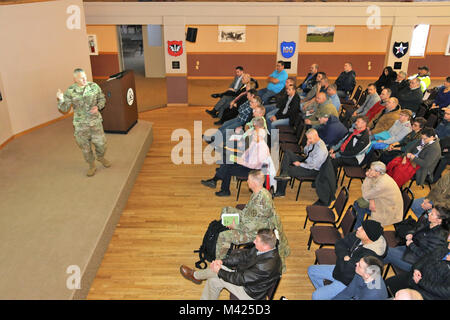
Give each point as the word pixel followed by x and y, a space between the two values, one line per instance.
pixel 132 46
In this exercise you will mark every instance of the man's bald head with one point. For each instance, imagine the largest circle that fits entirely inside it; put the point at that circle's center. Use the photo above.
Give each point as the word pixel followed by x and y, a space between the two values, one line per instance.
pixel 321 97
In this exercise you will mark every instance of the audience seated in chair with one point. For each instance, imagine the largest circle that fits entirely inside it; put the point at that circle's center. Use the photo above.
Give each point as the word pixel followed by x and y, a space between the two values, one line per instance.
pixel 351 150
pixel 396 149
pixel 309 81
pixel 371 99
pixel 400 84
pixel 297 166
pixel 244 114
pixel 378 107
pixel 309 98
pixel 394 134
pixel 381 197
pixel 367 284
pixel 386 79
pixel 424 77
pixel 412 97
pixel 331 130
pixel 276 80
pixel 419 160
pixel 429 234
pixel 442 99
pixel 346 81
pixel 254 157
pixel 227 96
pixel 248 274
pixel 322 106
pixel 430 275
pixel 386 118
pixel 439 195
pixel 332 95
pixel 286 109
pixel 368 240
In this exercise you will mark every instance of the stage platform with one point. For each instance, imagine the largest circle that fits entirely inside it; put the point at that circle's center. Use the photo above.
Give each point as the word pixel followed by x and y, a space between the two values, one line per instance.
pixel 52 216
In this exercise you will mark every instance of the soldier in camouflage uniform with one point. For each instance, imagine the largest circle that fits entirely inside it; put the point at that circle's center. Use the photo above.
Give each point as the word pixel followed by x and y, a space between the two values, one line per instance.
pixel 87 99
pixel 259 213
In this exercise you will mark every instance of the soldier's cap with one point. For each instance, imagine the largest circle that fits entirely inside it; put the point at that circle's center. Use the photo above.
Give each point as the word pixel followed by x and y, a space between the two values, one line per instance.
pixel 325 115
pixel 423 68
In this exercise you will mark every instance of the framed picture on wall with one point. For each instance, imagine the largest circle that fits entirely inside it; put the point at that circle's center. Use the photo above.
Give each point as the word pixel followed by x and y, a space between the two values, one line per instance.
pixel 447 50
pixel 92 42
pixel 320 33
pixel 231 34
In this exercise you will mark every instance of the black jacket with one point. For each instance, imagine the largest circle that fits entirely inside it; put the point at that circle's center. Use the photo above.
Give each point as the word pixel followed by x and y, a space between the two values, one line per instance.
pixel 294 107
pixel 410 99
pixel 398 87
pixel 346 81
pixel 427 159
pixel 326 183
pixel 355 146
pixel 344 271
pixel 256 273
pixel 308 84
pixel 435 282
pixel 385 81
pixel 424 241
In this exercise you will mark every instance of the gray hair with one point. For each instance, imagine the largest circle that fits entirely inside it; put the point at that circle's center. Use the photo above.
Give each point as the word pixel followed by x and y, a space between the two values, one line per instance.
pixel 378 166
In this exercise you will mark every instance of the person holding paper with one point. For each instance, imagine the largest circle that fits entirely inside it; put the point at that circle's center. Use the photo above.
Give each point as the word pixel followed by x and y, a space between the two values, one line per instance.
pixel 253 158
pixel 259 213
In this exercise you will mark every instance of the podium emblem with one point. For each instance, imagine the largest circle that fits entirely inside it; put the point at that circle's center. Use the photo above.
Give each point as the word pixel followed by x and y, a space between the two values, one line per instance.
pixel 130 96
pixel 175 48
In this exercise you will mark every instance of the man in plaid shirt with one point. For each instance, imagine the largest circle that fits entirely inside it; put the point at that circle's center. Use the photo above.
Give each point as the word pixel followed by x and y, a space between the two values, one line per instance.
pixel 245 114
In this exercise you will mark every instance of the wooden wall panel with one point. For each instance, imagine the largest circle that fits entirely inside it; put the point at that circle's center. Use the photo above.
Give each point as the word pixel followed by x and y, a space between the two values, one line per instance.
pixel 438 63
pixel 223 64
pixel 333 63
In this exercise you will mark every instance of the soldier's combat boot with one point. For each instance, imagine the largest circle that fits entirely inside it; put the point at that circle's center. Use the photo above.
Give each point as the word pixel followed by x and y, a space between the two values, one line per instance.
pixel 91 170
pixel 104 162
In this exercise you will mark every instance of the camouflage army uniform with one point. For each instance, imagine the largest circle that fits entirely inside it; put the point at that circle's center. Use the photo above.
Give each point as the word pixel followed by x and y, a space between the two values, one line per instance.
pixel 259 213
pixel 88 127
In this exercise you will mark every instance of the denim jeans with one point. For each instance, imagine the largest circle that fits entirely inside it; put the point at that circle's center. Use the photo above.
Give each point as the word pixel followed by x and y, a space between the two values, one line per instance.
pixel 318 273
pixel 394 256
pixel 416 207
pixel 281 122
pixel 360 215
pixel 265 95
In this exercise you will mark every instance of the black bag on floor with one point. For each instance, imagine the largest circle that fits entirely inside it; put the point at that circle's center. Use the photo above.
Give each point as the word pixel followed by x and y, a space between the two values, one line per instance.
pixel 207 251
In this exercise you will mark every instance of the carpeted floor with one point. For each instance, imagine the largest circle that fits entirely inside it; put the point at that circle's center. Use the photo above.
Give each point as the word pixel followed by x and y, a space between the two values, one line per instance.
pixel 53 216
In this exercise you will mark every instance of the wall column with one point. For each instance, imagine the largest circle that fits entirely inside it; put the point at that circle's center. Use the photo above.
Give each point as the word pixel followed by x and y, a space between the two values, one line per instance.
pixel 288 31
pixel 402 31
pixel 176 71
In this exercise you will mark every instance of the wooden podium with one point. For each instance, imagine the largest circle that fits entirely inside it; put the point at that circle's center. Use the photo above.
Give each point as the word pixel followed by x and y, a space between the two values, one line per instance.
pixel 120 112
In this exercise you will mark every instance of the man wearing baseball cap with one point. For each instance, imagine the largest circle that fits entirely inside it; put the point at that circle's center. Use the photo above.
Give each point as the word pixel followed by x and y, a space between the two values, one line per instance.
pixel 368 240
pixel 424 77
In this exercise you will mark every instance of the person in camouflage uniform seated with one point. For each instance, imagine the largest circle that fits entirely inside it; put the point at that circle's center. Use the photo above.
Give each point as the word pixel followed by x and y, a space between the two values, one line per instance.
pixel 259 213
pixel 87 99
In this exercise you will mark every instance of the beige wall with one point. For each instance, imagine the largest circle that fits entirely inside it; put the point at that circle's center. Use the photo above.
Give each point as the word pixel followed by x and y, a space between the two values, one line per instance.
pixel 258 39
pixel 5 122
pixel 38 56
pixel 107 39
pixel 349 39
pixel 437 39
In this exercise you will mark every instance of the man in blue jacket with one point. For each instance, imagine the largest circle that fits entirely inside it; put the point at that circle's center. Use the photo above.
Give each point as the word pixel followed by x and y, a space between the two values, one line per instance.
pixel 367 284
pixel 277 80
pixel 331 130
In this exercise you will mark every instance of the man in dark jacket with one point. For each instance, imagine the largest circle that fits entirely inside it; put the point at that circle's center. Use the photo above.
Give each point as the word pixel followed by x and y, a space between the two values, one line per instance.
pixel 309 81
pixel 331 130
pixel 351 150
pixel 368 240
pixel 287 108
pixel 248 274
pixel 346 81
pixel 411 99
pixel 430 276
